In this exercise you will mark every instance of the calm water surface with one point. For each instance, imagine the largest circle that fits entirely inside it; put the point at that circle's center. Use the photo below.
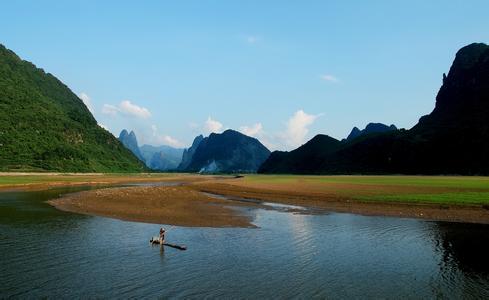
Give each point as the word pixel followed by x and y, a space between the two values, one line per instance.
pixel 45 252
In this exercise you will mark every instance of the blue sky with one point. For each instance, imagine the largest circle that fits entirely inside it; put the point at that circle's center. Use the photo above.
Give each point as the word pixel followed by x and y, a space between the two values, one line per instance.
pixel 282 71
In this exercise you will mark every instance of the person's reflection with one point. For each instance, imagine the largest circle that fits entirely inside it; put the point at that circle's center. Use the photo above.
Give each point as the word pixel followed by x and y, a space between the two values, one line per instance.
pixel 162 249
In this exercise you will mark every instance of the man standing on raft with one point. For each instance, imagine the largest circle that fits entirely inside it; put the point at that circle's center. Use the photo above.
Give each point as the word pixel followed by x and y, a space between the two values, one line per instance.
pixel 162 235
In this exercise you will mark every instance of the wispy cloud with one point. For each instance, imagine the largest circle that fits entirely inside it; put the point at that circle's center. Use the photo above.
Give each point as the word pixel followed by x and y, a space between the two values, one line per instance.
pixel 256 131
pixel 212 125
pixel 329 78
pixel 165 139
pixel 134 110
pixel 252 39
pixel 126 108
pixel 253 130
pixel 193 125
pixel 170 141
pixel 86 100
pixel 110 110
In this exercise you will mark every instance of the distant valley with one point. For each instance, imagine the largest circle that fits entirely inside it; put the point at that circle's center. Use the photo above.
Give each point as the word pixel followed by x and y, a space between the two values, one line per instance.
pixel 160 158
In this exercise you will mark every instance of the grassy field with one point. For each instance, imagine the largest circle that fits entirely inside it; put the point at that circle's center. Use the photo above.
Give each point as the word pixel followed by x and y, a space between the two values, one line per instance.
pixel 397 189
pixel 432 181
pixel 7 179
pixel 409 189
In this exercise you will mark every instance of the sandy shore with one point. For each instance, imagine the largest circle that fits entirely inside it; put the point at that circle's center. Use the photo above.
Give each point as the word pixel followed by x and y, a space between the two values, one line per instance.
pixel 174 205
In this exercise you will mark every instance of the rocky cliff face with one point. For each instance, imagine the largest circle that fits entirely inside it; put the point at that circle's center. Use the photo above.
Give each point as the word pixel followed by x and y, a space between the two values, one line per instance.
pixel 189 153
pixel 453 139
pixel 228 152
pixel 464 95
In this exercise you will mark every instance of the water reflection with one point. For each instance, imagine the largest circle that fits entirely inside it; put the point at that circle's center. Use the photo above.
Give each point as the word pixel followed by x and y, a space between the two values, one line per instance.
pixel 467 245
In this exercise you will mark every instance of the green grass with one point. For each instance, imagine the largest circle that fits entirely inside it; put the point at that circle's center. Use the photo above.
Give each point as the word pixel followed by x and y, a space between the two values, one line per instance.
pixel 462 198
pixel 461 182
pixel 11 180
pixel 33 179
pixel 460 190
pixel 45 126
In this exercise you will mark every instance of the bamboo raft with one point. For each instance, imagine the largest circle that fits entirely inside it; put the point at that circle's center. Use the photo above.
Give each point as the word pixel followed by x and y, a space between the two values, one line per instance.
pixel 156 241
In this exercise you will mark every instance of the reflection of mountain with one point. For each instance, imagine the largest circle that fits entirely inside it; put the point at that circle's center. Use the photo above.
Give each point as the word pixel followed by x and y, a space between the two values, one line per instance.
pixel 467 245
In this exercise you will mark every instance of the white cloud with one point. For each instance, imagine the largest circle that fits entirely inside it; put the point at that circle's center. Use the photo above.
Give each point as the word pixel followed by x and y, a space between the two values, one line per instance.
pixel 295 132
pixel 170 141
pixel 87 101
pixel 267 143
pixel 111 110
pixel 211 126
pixel 329 78
pixel 254 130
pixel 165 139
pixel 297 128
pixel 132 109
pixel 127 108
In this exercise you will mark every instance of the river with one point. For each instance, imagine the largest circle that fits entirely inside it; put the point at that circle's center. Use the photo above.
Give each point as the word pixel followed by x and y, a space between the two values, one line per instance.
pixel 49 253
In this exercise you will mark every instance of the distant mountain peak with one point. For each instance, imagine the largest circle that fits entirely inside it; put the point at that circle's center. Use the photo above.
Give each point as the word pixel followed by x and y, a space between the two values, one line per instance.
pixel 369 129
pixel 463 97
pixel 130 141
pixel 229 151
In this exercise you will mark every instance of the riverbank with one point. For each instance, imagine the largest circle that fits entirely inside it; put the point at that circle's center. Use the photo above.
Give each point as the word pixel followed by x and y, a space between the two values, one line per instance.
pixel 441 198
pixel 42 181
